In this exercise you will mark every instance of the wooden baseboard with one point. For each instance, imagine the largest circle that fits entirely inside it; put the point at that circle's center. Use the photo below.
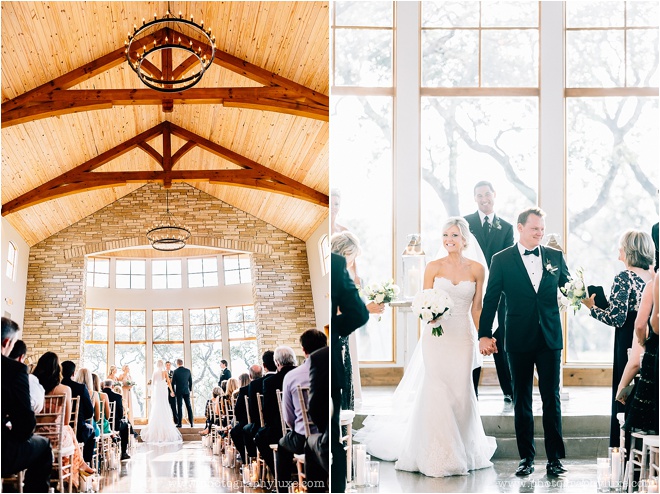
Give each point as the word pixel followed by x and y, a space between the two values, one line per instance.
pixel 573 376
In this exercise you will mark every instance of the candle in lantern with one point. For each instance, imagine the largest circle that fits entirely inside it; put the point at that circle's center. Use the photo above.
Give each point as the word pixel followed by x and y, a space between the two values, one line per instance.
pixel 616 465
pixel 373 473
pixel 413 281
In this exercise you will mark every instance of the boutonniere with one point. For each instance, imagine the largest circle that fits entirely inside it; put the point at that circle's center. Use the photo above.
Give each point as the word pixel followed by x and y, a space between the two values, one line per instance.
pixel 550 268
pixel 496 224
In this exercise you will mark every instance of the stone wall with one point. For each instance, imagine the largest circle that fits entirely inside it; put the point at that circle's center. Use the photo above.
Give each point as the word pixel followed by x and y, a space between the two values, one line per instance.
pixel 55 300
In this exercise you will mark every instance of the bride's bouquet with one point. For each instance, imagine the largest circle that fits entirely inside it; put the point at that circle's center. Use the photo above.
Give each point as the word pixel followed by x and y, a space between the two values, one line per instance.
pixel 381 293
pixel 573 292
pixel 432 304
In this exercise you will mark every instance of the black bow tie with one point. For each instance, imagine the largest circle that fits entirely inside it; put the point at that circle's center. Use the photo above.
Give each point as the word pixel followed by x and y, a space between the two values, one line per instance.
pixel 535 252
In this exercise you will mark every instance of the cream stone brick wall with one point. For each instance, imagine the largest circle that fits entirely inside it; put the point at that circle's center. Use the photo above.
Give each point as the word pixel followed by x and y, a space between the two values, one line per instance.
pixel 55 300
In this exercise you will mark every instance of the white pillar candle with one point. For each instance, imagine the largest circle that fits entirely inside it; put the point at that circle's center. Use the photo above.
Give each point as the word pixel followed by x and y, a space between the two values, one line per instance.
pixel 360 457
pixel 652 485
pixel 413 281
pixel 616 465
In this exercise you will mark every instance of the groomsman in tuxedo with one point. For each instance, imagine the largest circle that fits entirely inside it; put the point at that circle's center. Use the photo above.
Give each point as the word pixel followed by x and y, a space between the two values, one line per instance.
pixel 493 235
pixel 171 397
pixel 348 314
pixel 530 276
pixel 225 373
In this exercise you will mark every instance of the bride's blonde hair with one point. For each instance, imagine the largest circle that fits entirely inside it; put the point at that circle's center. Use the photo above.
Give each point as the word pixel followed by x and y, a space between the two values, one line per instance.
pixel 462 225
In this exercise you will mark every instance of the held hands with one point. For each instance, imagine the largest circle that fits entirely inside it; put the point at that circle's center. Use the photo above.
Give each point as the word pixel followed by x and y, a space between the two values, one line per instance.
pixel 172 394
pixel 487 346
pixel 589 303
pixel 375 308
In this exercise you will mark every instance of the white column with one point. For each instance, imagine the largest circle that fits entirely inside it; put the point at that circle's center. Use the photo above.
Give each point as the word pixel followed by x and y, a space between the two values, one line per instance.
pixel 407 172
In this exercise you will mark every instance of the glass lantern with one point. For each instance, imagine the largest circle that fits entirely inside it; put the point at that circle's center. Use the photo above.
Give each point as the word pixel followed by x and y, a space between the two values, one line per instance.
pixel 413 266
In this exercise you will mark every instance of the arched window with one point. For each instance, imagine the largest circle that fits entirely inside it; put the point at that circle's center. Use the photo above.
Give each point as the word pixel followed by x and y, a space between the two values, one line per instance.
pixel 324 249
pixel 12 256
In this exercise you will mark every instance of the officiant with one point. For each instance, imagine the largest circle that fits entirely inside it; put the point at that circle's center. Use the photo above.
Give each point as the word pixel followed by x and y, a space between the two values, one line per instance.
pixel 493 235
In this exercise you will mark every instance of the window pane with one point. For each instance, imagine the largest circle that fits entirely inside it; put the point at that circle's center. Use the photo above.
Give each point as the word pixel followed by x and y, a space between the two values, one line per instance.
pixel 194 265
pixel 642 13
pixel 369 66
pixel 195 280
pixel 510 58
pixel 211 279
pixel 212 316
pixel 122 333
pixel 378 14
pixel 175 317
pixel 450 14
pixel 510 14
pixel 158 267
pixel 603 149
pixel 138 333
pixel 88 316
pixel 594 14
pixel 160 333
pixel 174 281
pixel 231 263
pixel 159 282
pixel 361 132
pixel 122 318
pixel 138 267
pixel 232 278
pixel 95 358
pixel 210 264
pixel 100 317
pixel 159 318
pixel 236 330
pixel 102 265
pixel 100 333
pixel 134 357
pixel 87 332
pixel 244 262
pixel 250 329
pixel 176 333
pixel 243 354
pixel 174 266
pixel 197 332
pixel 123 267
pixel 101 280
pixel 450 58
pixel 214 331
pixel 138 318
pixel 168 352
pixel 594 59
pixel 138 282
pixel 642 66
pixel 234 314
pixel 246 276
pixel 123 281
pixel 205 367
pixel 196 316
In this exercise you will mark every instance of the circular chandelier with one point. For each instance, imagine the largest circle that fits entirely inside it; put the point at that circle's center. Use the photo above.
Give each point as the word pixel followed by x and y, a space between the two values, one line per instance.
pixel 168 234
pixel 159 34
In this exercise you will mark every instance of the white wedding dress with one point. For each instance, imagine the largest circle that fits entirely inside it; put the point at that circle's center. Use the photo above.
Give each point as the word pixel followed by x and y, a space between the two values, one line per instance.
pixel 161 428
pixel 436 428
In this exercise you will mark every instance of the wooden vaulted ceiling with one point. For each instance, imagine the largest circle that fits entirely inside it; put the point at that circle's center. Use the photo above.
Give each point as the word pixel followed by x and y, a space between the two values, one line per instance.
pixel 79 130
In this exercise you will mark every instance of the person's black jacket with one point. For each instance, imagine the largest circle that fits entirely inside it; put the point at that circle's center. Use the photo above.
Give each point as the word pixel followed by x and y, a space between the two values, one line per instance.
pixel 225 375
pixel 240 412
pixel 255 387
pixel 318 388
pixel 85 407
pixel 271 384
pixel 182 381
pixel 119 407
pixel 16 408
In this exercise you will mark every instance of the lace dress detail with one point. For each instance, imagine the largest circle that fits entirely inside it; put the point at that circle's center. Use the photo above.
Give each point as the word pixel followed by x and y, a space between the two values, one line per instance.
pixel 441 433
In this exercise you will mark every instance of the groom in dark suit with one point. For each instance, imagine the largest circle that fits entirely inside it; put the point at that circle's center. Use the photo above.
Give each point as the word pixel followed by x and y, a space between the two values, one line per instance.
pixel 530 275
pixel 182 384
pixel 171 398
pixel 493 235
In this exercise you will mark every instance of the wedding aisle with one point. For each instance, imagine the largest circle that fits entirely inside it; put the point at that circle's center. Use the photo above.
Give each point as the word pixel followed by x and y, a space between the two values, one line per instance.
pixel 182 468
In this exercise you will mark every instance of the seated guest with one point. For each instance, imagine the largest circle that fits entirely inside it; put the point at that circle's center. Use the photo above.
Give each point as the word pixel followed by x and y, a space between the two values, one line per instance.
pixel 225 373
pixel 84 376
pixel 85 432
pixel 49 373
pixel 636 253
pixel 232 386
pixel 105 404
pixel 293 442
pixel 36 390
pixel 21 449
pixel 271 432
pixel 213 410
pixel 241 413
pixel 256 386
pixel 317 449
pixel 119 425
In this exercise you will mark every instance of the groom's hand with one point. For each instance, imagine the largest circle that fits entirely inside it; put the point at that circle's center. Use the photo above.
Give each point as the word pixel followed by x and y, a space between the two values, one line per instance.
pixel 487 346
pixel 172 394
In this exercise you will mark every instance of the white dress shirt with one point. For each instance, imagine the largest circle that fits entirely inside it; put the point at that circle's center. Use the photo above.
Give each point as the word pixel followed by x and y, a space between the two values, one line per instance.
pixel 37 393
pixel 533 265
pixel 482 215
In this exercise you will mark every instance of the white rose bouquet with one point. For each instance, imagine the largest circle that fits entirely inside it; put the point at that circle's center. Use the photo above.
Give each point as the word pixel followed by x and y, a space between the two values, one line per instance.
pixel 573 292
pixel 432 304
pixel 381 293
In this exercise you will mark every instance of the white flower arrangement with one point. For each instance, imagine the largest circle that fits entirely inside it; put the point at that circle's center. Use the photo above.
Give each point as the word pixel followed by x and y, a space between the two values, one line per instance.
pixel 573 292
pixel 432 304
pixel 381 293
pixel 550 268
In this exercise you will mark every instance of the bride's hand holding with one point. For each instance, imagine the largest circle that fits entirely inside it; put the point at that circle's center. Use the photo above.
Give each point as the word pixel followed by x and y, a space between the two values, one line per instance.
pixel 487 346
pixel 375 308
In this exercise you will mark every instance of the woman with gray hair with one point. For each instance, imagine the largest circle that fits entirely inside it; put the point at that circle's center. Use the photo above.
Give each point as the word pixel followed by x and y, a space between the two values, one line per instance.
pixel 347 245
pixel 636 252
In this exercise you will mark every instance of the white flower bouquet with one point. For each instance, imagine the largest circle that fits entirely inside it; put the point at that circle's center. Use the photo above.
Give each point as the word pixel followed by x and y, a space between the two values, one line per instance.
pixel 432 304
pixel 381 293
pixel 573 292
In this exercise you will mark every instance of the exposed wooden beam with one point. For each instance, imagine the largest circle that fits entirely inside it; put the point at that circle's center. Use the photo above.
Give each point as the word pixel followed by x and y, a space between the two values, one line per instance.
pixel 83 177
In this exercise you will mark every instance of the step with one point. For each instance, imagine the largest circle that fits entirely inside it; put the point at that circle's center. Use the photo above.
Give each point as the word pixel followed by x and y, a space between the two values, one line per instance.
pixel 189 434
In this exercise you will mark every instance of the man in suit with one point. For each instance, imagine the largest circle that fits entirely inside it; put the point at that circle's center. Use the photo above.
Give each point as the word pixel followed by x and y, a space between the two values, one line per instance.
pixel 530 275
pixel 85 433
pixel 182 384
pixel 348 314
pixel 271 432
pixel 241 413
pixel 21 449
pixel 37 392
pixel 317 452
pixel 171 397
pixel 119 425
pixel 256 386
pixel 493 235
pixel 225 373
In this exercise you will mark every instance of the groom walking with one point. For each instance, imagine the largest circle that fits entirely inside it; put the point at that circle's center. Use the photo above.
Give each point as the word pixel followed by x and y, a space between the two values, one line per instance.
pixel 182 384
pixel 533 334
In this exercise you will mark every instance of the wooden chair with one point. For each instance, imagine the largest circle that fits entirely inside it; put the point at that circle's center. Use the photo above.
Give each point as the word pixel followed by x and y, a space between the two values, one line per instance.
pixel 346 420
pixel 640 459
pixel 73 422
pixel 50 424
pixel 18 479
pixel 285 429
pixel 303 397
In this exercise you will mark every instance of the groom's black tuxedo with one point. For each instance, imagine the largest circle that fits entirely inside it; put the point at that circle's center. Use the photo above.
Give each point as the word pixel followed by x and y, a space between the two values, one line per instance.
pixel 182 384
pixel 533 337
pixel 491 242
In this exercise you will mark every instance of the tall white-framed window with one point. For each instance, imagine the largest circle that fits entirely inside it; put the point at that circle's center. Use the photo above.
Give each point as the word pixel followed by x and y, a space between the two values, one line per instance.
pixel 237 269
pixel 242 337
pixel 361 139
pixel 95 341
pixel 98 272
pixel 611 146
pixel 166 273
pixel 130 273
pixel 12 257
pixel 324 251
pixel 206 347
pixel 202 272
pixel 130 345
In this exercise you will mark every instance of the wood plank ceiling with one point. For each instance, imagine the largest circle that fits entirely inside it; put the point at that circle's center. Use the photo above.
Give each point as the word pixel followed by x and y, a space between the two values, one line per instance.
pixel 42 41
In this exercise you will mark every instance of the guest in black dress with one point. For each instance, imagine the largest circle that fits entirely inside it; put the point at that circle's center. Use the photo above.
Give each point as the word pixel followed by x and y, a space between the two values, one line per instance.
pixel 637 253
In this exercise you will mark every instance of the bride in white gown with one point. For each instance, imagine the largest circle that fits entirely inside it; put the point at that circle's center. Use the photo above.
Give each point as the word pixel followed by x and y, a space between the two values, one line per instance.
pixel 436 428
pixel 161 428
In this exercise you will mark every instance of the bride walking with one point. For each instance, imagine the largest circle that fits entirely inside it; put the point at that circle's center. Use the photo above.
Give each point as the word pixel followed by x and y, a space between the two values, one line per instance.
pixel 441 433
pixel 161 428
